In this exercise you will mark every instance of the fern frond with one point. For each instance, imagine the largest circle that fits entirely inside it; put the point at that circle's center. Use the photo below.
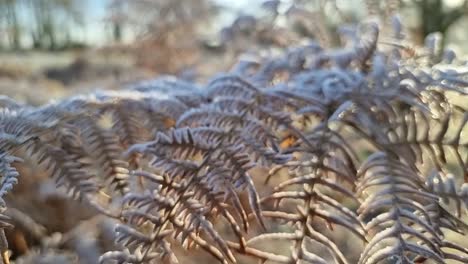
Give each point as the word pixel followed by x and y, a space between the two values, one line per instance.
pixel 104 147
pixel 71 168
pixel 396 194
pixel 9 178
pixel 317 178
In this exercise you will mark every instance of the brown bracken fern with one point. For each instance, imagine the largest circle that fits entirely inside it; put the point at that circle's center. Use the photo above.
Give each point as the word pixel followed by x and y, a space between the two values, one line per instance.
pixel 366 140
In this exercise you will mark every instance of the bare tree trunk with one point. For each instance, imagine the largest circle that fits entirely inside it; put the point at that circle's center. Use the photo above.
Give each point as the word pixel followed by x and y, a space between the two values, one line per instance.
pixel 12 24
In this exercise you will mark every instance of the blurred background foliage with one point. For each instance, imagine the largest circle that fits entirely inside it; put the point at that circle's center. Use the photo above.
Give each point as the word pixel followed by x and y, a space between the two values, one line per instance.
pixel 68 45
pixel 65 24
